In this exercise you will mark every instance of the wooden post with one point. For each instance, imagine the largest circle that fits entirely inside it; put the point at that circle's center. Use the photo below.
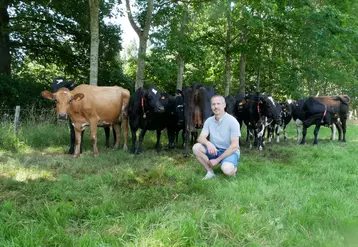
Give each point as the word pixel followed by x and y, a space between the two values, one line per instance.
pixel 17 120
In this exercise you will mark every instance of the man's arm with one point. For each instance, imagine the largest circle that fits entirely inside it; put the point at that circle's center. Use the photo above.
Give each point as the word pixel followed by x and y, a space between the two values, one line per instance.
pixel 203 139
pixel 234 145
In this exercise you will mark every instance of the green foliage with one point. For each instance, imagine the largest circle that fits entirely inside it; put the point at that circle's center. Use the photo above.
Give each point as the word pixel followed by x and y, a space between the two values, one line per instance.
pixel 8 140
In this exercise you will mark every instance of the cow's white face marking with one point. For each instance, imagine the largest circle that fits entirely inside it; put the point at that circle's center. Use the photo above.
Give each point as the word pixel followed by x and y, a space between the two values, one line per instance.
pixel 289 101
pixel 59 81
pixel 271 99
pixel 154 91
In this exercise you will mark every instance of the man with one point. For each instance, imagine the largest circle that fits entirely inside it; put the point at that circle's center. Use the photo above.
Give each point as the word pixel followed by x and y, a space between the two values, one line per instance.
pixel 223 144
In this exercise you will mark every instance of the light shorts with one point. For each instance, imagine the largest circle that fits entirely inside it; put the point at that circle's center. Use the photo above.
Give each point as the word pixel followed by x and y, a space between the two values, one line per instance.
pixel 232 158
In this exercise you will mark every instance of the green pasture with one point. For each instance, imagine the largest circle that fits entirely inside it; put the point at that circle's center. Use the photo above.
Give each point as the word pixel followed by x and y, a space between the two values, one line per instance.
pixel 286 195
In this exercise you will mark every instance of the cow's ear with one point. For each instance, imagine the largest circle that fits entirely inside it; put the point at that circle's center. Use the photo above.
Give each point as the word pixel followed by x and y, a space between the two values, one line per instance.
pixel 78 96
pixel 48 95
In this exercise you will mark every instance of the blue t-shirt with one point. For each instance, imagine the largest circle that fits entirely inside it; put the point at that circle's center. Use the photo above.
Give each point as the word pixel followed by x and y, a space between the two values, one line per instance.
pixel 220 132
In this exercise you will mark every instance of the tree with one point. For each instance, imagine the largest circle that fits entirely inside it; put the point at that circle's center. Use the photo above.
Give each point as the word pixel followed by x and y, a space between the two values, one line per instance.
pixel 5 61
pixel 143 33
pixel 94 28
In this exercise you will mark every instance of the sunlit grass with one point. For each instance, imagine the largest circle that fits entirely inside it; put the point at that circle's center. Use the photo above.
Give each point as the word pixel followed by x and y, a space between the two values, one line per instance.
pixel 287 195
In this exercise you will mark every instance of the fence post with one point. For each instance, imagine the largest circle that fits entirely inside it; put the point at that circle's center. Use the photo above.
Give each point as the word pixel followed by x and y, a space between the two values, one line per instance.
pixel 17 120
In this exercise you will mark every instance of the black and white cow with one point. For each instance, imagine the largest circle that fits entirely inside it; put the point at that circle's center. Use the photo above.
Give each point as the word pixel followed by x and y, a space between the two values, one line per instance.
pixel 258 109
pixel 325 110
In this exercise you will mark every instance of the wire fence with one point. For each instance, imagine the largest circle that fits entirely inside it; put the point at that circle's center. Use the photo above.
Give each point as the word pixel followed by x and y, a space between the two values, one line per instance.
pixel 31 114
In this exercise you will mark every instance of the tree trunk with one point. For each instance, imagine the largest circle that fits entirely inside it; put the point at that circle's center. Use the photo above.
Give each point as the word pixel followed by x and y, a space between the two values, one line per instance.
pixel 227 50
pixel 180 72
pixel 184 19
pixel 94 28
pixel 141 63
pixel 5 57
pixel 143 38
pixel 242 73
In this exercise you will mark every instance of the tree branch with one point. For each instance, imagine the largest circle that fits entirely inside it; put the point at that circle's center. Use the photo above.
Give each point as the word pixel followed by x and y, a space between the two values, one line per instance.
pixel 131 20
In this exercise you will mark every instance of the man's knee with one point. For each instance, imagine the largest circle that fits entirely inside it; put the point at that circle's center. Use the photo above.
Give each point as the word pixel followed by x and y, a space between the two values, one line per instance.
pixel 197 148
pixel 228 169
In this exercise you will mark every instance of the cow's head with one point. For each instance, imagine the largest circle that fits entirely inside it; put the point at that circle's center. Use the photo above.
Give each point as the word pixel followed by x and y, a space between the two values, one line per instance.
pixel 153 99
pixel 269 108
pixel 63 99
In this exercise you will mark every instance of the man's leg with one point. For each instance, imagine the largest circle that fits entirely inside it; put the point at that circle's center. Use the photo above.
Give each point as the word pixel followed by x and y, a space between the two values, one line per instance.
pixel 229 164
pixel 200 155
pixel 228 168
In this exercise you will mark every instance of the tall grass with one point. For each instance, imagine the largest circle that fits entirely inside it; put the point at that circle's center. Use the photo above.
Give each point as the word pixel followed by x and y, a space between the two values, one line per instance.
pixel 286 195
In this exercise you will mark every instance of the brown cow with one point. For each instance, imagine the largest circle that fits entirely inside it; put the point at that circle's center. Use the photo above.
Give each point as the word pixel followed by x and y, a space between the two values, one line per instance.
pixel 93 106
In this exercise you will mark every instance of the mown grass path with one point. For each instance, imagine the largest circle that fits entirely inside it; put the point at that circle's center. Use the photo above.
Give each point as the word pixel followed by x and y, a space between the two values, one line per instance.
pixel 287 195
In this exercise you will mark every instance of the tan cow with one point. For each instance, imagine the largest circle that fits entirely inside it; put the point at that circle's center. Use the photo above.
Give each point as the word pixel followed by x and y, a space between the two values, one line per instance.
pixel 93 106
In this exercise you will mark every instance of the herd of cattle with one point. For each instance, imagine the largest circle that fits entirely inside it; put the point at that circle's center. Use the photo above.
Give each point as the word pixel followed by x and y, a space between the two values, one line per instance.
pixel 148 109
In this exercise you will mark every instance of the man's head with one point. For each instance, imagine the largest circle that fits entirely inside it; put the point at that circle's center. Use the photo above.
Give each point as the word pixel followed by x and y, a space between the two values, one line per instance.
pixel 218 105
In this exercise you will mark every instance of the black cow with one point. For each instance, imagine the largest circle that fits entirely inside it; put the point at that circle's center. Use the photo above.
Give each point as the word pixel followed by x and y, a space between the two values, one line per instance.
pixel 325 110
pixel 274 125
pixel 146 112
pixel 230 104
pixel 60 82
pixel 286 115
pixel 299 115
pixel 258 109
pixel 179 117
pixel 197 109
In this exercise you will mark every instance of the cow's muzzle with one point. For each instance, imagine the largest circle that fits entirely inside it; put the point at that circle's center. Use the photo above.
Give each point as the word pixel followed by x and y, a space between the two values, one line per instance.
pixel 63 116
pixel 160 109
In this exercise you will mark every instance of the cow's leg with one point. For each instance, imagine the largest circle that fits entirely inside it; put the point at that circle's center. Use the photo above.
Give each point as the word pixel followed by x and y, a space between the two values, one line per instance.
pixel 270 132
pixel 171 136
pixel 304 133
pixel 278 133
pixel 333 132
pixel 250 136
pixel 93 126
pixel 315 132
pixel 284 132
pixel 117 129
pixel 140 141
pixel 340 130
pixel 78 141
pixel 344 129
pixel 73 138
pixel 299 128
pixel 157 144
pixel 134 140
pixel 124 124
pixel 260 136
pixel 107 133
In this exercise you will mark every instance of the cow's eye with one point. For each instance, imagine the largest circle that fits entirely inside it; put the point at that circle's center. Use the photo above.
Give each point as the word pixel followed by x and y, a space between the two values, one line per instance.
pixel 70 101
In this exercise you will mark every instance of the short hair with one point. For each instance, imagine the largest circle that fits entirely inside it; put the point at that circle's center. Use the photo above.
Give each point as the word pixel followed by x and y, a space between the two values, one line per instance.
pixel 219 96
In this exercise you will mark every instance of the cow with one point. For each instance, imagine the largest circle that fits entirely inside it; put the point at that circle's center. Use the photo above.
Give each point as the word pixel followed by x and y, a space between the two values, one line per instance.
pixel 274 126
pixel 146 112
pixel 93 106
pixel 177 119
pixel 325 110
pixel 286 115
pixel 60 82
pixel 197 109
pixel 230 104
pixel 258 109
pixel 298 116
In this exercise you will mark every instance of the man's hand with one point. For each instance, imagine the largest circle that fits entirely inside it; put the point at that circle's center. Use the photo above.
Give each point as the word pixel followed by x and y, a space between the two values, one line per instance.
pixel 211 149
pixel 214 162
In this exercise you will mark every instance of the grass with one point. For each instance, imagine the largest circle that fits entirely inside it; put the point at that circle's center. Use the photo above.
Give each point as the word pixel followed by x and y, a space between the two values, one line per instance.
pixel 286 195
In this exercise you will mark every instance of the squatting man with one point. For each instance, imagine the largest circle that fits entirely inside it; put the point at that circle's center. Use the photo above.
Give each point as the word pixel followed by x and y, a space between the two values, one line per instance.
pixel 222 147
